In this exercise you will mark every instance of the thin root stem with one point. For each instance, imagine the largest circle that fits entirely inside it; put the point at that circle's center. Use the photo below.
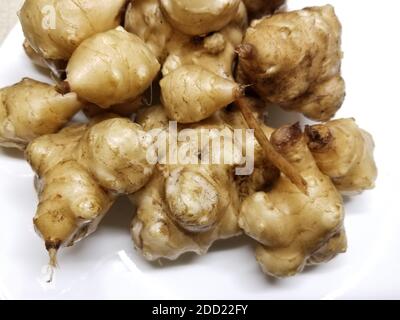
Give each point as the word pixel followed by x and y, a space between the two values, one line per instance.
pixel 273 156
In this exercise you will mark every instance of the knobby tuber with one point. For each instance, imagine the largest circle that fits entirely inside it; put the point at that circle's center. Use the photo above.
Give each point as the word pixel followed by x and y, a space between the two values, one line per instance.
pixel 104 63
pixel 293 59
pixel 345 153
pixel 81 170
pixel 288 225
pixel 30 109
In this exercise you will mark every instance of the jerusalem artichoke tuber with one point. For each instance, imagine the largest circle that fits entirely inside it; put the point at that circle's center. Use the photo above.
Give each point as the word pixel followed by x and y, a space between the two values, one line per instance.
pixel 344 152
pixel 290 226
pixel 111 68
pixel 145 19
pixel 55 29
pixel 30 109
pixel 81 171
pixel 293 59
pixel 195 18
pixel 185 209
pixel 191 93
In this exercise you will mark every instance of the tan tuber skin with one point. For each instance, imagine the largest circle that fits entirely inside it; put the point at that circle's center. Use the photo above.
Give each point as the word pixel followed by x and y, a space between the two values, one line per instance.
pixel 145 19
pixel 185 207
pixel 81 170
pixel 75 21
pixel 215 51
pixel 30 109
pixel 199 17
pixel 293 59
pixel 111 68
pixel 290 226
pixel 191 93
pixel 345 153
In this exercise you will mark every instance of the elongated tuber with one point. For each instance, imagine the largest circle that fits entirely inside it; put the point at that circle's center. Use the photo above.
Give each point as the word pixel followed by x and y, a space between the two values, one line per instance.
pixel 55 29
pixel 81 171
pixel 290 226
pixel 111 68
pixel 30 109
pixel 345 153
pixel 293 59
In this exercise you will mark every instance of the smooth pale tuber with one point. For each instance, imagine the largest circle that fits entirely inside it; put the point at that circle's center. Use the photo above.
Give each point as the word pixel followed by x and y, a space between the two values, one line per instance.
pixel 30 109
pixel 290 226
pixel 55 29
pixel 111 68
pixel 293 59
pixel 191 93
pixel 345 153
pixel 81 171
pixel 199 17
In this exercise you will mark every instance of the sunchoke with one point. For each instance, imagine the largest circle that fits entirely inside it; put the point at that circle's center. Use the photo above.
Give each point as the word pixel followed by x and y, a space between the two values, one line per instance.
pixel 111 68
pixel 30 109
pixel 195 18
pixel 191 93
pixel 185 209
pixel 345 153
pixel 293 59
pixel 55 29
pixel 290 226
pixel 81 171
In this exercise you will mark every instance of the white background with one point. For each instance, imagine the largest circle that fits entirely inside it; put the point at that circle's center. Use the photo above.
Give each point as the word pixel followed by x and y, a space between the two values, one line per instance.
pixel 106 265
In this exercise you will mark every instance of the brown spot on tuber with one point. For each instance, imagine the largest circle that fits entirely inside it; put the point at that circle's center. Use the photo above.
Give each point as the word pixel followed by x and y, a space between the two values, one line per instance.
pixel 286 136
pixel 320 138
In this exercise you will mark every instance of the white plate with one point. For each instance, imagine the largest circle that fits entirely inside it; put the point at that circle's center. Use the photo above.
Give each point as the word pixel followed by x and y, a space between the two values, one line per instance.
pixel 106 266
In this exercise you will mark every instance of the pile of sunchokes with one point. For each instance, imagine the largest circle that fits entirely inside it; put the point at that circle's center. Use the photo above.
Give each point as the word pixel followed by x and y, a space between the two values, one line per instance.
pixel 209 69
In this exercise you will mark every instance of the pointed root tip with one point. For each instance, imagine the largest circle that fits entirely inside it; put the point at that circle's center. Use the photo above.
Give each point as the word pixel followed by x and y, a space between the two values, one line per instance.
pixel 53 258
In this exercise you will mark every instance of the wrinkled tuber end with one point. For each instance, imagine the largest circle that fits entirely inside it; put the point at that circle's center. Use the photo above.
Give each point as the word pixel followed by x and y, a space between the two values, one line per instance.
pixel 320 138
pixel 286 137
pixel 246 51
